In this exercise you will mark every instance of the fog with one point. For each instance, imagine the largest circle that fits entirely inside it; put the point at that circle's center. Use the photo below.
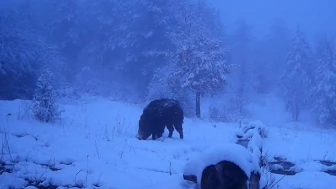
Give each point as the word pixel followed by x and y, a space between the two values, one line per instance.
pixel 228 55
pixel 314 16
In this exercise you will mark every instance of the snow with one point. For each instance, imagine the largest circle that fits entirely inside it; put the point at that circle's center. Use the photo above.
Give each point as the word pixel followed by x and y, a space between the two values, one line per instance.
pixel 226 151
pixel 94 144
pixel 254 131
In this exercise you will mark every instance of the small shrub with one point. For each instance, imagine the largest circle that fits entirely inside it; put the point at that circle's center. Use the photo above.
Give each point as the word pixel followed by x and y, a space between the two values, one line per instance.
pixel 44 101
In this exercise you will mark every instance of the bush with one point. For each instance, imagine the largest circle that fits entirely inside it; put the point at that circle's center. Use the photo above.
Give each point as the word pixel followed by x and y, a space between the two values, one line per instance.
pixel 44 101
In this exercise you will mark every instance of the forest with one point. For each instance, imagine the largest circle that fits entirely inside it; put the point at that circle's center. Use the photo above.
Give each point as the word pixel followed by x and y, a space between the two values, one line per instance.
pixel 139 50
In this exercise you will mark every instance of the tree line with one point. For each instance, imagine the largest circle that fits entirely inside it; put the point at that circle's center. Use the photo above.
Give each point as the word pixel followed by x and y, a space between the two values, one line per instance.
pixel 145 49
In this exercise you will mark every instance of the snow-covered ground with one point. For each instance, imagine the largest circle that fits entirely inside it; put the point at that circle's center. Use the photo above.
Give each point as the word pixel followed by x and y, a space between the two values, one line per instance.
pixel 94 146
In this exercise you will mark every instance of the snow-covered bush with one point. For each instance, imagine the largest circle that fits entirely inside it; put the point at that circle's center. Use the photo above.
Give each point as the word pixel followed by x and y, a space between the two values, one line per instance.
pixel 43 104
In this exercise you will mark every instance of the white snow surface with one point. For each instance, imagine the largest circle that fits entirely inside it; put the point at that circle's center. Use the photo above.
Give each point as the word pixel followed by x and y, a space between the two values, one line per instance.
pixel 94 144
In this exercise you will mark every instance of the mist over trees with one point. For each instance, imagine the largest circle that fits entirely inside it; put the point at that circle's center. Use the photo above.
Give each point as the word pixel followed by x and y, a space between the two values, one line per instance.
pixel 295 81
pixel 145 49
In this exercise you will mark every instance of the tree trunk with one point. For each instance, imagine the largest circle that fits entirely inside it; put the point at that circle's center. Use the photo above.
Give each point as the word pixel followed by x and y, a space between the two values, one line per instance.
pixel 198 104
pixel 297 113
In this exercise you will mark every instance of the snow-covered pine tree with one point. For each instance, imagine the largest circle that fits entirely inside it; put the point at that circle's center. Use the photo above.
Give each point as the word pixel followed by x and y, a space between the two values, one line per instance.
pixel 324 93
pixel 199 49
pixel 44 106
pixel 295 80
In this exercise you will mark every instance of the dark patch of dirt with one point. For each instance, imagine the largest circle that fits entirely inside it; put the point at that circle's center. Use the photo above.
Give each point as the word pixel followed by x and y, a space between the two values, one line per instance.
pixel 326 162
pixel 5 168
pixel 286 166
pixel 331 172
pixel 20 135
pixel 74 186
pixel 283 162
pixel 283 172
pixel 239 136
pixel 66 163
pixel 279 159
pixel 24 135
pixel 38 184
pixel 97 185
pixel 51 167
pixel 192 178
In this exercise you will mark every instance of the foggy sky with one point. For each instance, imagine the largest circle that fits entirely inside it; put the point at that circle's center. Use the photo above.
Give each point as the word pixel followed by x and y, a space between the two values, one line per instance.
pixel 314 16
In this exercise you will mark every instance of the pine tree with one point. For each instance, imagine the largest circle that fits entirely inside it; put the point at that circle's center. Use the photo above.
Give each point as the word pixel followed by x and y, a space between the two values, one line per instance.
pixel 324 93
pixel 295 80
pixel 199 50
pixel 44 105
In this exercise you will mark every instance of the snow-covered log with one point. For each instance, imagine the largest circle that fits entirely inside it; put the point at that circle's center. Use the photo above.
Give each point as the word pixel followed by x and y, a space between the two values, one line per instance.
pixel 251 137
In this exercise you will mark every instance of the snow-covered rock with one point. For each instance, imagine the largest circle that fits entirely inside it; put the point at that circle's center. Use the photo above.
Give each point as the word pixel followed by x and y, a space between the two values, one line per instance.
pixel 230 152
